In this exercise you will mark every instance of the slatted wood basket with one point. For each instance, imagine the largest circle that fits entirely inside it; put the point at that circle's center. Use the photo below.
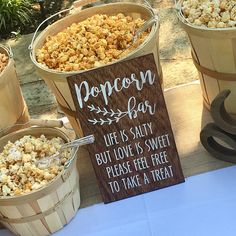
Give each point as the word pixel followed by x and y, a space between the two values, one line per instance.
pixel 57 80
pixel 13 109
pixel 48 209
pixel 214 55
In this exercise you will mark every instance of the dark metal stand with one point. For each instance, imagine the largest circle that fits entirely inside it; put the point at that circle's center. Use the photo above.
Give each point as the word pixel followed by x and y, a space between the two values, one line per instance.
pixel 219 138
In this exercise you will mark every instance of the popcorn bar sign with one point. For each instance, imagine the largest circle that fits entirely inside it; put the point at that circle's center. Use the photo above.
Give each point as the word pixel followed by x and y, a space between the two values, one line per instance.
pixel 123 106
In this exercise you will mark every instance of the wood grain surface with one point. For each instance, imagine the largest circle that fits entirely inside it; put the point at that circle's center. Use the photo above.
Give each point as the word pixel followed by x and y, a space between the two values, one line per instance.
pixel 123 106
pixel 188 117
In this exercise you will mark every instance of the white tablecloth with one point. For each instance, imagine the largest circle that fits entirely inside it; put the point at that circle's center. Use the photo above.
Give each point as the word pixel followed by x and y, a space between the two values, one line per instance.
pixel 204 205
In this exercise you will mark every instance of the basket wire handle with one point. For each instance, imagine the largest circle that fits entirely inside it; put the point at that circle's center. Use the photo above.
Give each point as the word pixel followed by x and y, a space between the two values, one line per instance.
pixel 44 21
pixel 177 5
pixel 148 3
pixel 76 4
pixel 8 49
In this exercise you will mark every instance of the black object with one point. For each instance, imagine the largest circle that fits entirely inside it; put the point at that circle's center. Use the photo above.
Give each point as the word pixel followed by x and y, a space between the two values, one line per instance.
pixel 219 138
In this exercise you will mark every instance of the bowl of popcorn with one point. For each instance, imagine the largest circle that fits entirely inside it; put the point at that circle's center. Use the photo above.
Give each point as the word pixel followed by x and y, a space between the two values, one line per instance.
pixel 211 28
pixel 92 38
pixel 208 13
pixel 99 40
pixel 33 198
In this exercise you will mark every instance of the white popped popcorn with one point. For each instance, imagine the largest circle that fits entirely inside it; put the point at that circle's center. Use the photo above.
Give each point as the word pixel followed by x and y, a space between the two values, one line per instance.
pixel 19 173
pixel 210 13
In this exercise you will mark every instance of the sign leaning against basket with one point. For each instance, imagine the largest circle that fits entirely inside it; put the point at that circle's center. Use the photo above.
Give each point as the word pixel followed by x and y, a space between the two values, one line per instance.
pixel 123 106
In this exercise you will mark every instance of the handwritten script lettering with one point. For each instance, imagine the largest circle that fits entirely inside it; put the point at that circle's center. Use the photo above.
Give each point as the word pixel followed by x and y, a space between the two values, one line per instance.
pixel 107 89
pixel 122 104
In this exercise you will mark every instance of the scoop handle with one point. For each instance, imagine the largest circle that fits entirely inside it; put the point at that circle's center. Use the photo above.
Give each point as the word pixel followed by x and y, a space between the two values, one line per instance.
pixel 145 26
pixel 79 142
pixel 76 144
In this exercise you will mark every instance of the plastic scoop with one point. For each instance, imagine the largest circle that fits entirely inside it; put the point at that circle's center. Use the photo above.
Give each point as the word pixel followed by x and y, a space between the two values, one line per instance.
pixel 55 159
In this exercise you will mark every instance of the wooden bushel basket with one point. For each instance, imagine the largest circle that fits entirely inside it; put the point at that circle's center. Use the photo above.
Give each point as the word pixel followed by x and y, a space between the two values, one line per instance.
pixel 57 80
pixel 48 209
pixel 13 109
pixel 214 55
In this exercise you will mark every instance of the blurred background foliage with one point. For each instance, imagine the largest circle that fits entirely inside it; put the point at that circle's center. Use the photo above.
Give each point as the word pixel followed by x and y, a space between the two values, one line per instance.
pixel 23 16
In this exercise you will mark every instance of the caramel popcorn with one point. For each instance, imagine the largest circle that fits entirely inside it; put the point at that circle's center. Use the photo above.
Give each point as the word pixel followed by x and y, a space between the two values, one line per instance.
pixel 3 61
pixel 96 41
pixel 210 13
pixel 19 172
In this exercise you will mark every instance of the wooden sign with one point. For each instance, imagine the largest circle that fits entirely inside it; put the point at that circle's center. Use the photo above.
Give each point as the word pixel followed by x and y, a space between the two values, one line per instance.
pixel 123 106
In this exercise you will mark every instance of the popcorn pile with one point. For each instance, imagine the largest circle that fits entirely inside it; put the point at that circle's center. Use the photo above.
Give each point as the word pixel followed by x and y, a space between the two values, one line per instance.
pixel 19 172
pixel 94 42
pixel 3 61
pixel 210 13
